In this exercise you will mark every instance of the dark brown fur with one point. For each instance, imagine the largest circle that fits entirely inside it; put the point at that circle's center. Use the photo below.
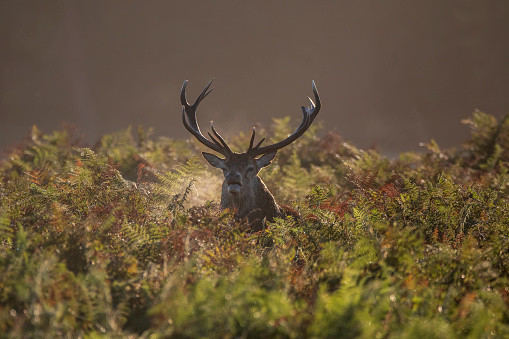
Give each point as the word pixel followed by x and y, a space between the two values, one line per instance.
pixel 257 205
pixel 253 200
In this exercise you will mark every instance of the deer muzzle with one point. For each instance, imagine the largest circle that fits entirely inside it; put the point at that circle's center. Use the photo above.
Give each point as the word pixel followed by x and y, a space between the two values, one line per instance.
pixel 234 188
pixel 234 183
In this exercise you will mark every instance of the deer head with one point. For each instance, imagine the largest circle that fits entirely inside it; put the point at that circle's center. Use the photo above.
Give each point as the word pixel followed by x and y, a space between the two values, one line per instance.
pixel 242 187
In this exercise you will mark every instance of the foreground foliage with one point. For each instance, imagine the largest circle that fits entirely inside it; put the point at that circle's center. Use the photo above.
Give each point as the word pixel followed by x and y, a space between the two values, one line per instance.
pixel 123 240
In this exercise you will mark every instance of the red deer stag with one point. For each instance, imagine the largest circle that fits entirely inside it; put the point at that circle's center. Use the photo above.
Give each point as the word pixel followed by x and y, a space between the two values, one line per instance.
pixel 243 190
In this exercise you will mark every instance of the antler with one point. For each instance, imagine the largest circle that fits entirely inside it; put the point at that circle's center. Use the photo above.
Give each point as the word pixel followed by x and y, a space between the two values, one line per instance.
pixel 192 126
pixel 309 114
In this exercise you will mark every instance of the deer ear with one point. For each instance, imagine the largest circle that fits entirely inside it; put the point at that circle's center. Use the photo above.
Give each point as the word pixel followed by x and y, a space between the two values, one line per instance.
pixel 214 160
pixel 265 160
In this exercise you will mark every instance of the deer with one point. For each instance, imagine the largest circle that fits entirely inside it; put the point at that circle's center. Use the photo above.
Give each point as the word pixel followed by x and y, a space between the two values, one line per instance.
pixel 243 190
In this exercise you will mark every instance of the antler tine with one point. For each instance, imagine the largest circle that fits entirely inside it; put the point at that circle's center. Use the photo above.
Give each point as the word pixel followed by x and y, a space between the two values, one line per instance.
pixel 214 140
pixel 191 124
pixel 251 149
pixel 259 143
pixel 309 114
pixel 252 139
pixel 203 94
pixel 314 107
pixel 225 145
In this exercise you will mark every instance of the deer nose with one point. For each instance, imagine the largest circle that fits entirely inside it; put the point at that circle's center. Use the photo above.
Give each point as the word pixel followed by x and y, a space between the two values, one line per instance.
pixel 234 182
pixel 233 177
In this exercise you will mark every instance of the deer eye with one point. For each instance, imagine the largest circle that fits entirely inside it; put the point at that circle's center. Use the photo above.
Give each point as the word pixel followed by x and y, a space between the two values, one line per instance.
pixel 250 169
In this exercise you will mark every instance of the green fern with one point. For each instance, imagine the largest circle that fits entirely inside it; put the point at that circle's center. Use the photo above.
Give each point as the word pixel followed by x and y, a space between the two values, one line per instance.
pixel 381 247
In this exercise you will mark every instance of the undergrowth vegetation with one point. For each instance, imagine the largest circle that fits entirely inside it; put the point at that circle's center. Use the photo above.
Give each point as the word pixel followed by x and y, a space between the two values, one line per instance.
pixel 126 239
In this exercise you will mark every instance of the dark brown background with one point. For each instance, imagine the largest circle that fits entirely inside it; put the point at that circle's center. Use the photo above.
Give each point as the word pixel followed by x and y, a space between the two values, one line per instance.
pixel 390 73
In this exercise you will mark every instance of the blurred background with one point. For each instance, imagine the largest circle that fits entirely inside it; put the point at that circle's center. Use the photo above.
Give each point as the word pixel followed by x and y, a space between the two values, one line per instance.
pixel 391 74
